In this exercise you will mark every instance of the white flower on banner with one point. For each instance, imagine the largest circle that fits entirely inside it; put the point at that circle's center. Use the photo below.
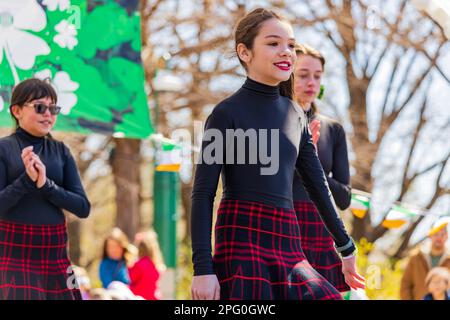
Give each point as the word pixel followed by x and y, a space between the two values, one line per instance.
pixel 52 5
pixel 1 103
pixel 19 46
pixel 66 37
pixel 43 74
pixel 64 86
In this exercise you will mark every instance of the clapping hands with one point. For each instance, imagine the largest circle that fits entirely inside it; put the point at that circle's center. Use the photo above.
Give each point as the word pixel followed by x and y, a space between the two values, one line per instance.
pixel 34 167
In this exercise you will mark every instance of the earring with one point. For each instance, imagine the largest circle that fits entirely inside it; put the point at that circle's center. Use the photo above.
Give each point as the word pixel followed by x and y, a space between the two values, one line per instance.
pixel 321 92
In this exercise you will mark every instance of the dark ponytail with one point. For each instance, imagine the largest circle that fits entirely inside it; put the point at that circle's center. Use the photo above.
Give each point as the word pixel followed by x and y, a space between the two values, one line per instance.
pixel 287 88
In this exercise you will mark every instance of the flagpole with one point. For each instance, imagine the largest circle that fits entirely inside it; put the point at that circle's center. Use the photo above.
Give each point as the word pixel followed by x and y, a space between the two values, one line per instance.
pixel 166 187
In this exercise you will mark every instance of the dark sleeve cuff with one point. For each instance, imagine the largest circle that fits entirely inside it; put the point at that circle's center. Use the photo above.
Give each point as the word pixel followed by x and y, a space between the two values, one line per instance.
pixel 27 182
pixel 47 187
pixel 202 271
pixel 203 263
pixel 346 249
pixel 348 252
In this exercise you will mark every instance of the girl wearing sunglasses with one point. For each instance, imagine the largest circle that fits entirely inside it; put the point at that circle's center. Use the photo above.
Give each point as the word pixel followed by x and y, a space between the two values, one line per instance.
pixel 38 180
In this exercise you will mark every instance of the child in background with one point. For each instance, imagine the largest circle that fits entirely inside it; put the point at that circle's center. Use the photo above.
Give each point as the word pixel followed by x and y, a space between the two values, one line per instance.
pixel 146 271
pixel 437 282
pixel 113 266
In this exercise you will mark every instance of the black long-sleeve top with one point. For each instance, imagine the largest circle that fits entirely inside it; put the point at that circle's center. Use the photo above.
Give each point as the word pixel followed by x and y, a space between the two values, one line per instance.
pixel 257 106
pixel 332 152
pixel 20 200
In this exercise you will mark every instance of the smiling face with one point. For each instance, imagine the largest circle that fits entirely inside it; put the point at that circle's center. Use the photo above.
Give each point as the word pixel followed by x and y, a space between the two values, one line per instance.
pixel 34 123
pixel 272 57
pixel 308 76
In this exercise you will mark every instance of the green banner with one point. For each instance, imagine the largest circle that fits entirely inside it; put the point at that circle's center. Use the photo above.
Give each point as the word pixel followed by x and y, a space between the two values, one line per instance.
pixel 91 52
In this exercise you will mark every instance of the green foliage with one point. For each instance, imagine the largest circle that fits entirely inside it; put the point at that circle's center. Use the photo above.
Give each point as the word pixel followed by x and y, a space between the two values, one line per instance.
pixel 104 64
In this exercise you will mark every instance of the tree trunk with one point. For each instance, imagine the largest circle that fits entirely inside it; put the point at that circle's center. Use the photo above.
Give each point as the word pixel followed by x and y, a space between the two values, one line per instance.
pixel 365 151
pixel 125 166
pixel 74 223
pixel 404 246
pixel 74 233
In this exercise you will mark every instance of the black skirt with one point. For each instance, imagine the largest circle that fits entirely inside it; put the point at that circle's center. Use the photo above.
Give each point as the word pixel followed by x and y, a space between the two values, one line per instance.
pixel 34 264
pixel 318 245
pixel 258 255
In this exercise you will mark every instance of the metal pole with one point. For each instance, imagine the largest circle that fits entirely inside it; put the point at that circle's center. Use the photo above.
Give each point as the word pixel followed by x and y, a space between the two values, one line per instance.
pixel 165 196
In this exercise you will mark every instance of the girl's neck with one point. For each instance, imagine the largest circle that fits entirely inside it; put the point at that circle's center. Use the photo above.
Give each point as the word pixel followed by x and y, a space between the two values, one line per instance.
pixel 258 78
pixel 306 106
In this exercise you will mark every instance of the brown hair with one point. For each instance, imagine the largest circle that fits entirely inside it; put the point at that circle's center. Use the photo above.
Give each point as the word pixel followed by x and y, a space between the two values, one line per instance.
pixel 438 271
pixel 29 90
pixel 148 246
pixel 246 31
pixel 305 50
pixel 121 238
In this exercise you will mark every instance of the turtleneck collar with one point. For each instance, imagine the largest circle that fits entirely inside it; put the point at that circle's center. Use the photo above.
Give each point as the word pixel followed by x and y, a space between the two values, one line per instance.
pixel 264 89
pixel 28 137
pixel 310 114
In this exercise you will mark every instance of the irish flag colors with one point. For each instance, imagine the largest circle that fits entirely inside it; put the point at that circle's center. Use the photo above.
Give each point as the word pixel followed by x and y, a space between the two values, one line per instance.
pixel 360 204
pixel 168 157
pixel 398 216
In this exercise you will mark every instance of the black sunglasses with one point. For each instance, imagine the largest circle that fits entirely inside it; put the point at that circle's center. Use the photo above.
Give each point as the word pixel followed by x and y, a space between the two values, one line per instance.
pixel 42 108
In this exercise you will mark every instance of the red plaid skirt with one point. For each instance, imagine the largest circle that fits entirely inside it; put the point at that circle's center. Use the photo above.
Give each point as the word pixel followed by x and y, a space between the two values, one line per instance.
pixel 34 263
pixel 318 245
pixel 258 255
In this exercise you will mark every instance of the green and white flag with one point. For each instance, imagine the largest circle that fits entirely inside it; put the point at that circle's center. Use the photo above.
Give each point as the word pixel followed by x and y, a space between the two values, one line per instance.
pixel 168 156
pixel 91 52
pixel 359 204
pixel 398 216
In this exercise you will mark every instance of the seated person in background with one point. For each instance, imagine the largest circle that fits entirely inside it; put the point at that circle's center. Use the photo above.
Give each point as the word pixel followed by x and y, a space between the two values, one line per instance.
pixel 145 272
pixel 113 266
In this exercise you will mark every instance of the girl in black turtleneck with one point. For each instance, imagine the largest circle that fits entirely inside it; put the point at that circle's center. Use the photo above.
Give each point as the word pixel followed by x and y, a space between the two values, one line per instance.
pixel 38 179
pixel 257 239
pixel 329 139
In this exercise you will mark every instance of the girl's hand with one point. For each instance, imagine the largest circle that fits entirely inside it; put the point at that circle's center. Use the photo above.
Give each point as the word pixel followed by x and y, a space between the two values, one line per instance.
pixel 205 287
pixel 314 126
pixel 41 169
pixel 27 158
pixel 352 277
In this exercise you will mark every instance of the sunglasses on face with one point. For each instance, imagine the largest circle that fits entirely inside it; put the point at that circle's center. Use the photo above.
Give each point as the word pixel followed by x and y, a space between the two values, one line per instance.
pixel 42 108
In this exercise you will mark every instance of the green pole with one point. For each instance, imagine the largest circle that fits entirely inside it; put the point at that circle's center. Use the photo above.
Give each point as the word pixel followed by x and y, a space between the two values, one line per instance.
pixel 166 188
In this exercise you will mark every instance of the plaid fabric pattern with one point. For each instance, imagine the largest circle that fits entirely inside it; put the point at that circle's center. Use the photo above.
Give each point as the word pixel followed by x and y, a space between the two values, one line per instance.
pixel 258 256
pixel 34 263
pixel 318 245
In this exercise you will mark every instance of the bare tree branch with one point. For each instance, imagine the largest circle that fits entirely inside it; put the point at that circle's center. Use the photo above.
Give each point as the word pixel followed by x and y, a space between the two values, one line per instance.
pixel 391 82
pixel 407 182
pixel 428 169
pixel 202 46
pixel 439 191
